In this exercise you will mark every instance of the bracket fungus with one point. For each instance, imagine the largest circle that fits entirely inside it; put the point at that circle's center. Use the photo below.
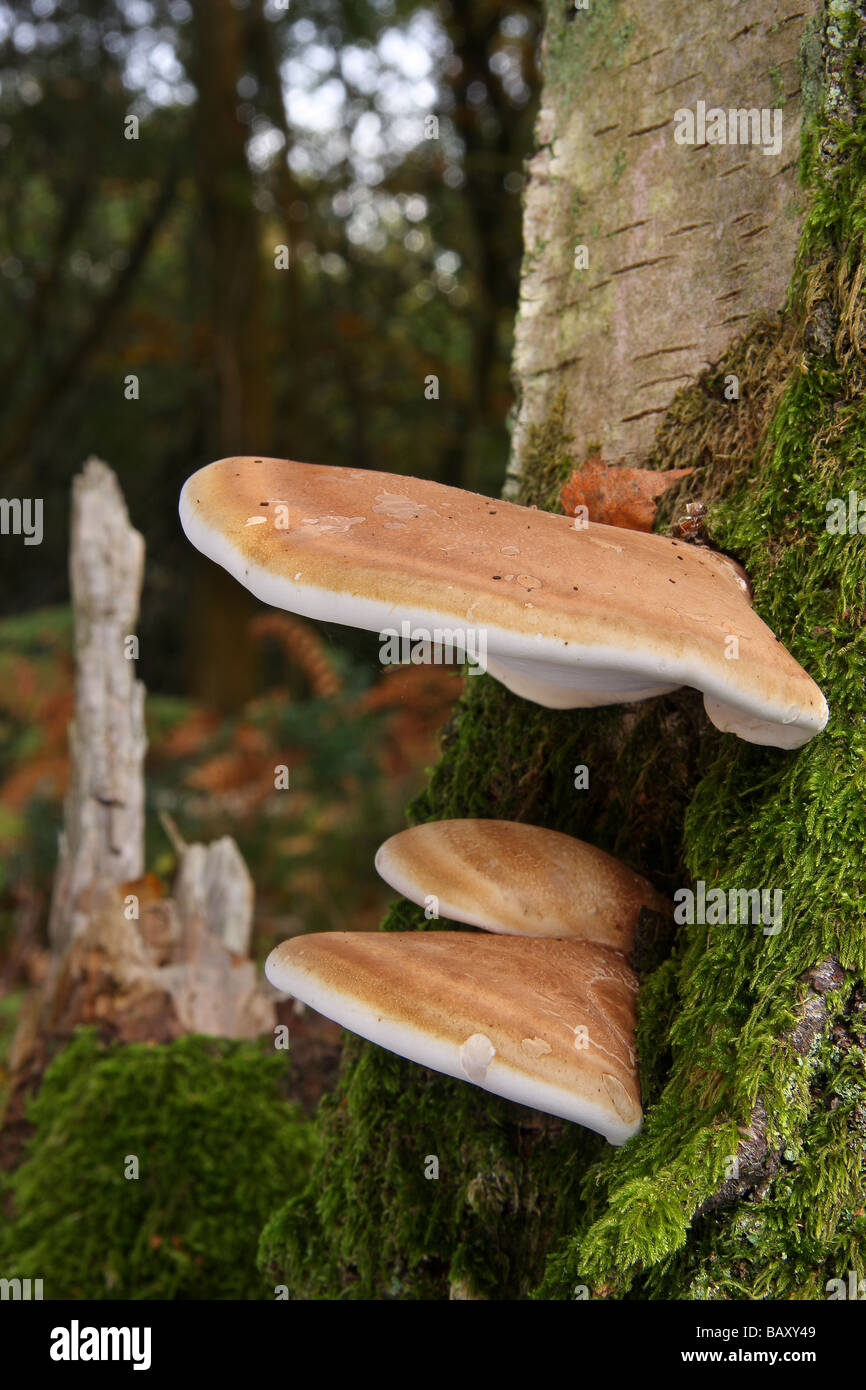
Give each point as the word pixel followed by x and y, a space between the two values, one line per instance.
pixel 572 617
pixel 520 880
pixel 546 1023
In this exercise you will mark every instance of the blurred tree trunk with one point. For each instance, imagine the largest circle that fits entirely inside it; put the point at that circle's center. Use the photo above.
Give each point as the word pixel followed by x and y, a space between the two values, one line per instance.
pixel 493 132
pixel 748 1178
pixel 222 657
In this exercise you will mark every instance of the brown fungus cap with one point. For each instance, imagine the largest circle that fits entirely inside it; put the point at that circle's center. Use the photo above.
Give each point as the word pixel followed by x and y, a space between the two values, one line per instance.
pixel 521 880
pixel 571 617
pixel 549 1024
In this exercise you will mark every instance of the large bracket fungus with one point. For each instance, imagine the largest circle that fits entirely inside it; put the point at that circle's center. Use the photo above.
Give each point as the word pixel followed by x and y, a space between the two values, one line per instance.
pixel 549 1024
pixel 572 616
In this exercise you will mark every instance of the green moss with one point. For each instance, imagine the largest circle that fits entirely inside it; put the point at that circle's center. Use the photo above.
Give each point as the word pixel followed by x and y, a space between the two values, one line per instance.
pixel 811 69
pixel 790 1238
pixel 547 459
pixel 621 37
pixel 374 1226
pixel 217 1148
pixel 720 437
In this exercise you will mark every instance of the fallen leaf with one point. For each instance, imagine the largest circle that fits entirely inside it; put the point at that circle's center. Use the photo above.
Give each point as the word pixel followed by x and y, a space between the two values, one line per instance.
pixel 617 496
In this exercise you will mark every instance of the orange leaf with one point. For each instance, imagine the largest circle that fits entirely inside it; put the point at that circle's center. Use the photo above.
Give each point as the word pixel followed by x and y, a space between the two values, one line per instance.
pixel 616 496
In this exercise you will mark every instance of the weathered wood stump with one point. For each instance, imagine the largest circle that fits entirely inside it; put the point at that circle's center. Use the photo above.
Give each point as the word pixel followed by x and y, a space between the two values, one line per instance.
pixel 125 959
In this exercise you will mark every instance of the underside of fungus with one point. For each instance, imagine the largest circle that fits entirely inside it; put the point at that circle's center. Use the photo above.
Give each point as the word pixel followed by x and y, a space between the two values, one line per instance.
pixel 571 617
pixel 546 1023
pixel 518 879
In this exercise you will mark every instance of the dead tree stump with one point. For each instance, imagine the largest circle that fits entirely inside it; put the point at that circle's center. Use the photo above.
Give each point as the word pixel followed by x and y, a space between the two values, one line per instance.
pixel 137 965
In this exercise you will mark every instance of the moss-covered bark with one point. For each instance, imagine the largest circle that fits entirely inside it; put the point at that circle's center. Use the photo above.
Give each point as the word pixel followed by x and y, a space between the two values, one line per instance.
pixel 748 1179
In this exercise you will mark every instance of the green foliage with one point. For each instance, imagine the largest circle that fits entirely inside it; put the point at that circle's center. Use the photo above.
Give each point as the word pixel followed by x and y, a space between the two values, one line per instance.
pixel 217 1148
pixel 403 265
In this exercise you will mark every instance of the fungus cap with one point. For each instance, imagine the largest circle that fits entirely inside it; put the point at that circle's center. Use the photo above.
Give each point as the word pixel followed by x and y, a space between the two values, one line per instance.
pixel 549 1024
pixel 571 617
pixel 521 880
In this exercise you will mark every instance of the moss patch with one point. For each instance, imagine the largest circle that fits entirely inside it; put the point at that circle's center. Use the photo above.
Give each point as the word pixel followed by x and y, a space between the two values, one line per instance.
pixel 217 1148
pixel 548 460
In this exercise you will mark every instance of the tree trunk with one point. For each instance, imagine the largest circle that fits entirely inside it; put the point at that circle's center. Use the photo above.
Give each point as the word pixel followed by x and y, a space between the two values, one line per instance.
pixel 708 268
pixel 222 661
pixel 685 244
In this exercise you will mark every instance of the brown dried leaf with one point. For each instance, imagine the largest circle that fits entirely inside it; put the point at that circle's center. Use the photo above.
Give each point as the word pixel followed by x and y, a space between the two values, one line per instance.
pixel 615 496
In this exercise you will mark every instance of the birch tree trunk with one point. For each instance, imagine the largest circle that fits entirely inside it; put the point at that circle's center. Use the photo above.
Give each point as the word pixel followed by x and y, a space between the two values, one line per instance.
pixel 718 321
pixel 685 243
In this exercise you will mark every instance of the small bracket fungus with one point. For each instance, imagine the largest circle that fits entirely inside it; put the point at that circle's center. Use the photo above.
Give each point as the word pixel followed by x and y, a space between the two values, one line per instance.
pixel 571 618
pixel 521 880
pixel 499 1011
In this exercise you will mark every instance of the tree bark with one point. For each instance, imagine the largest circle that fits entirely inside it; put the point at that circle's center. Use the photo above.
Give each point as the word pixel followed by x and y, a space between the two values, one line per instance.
pixel 222 666
pixel 685 243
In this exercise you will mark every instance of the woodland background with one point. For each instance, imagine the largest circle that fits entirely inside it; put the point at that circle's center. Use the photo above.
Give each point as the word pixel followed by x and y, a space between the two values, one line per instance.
pixel 154 257
pixel 147 322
